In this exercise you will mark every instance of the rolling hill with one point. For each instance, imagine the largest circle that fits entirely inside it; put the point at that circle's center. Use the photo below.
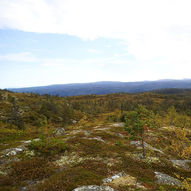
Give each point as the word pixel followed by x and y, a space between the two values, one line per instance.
pixel 106 87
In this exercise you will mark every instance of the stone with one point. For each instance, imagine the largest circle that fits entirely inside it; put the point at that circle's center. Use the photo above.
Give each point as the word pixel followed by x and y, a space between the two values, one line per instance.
pixel 74 132
pixel 74 121
pixel 120 135
pixel 123 180
pixel 166 179
pixel 182 164
pixel 37 139
pixel 108 180
pixel 87 133
pixel 118 125
pixel 30 153
pixel 94 188
pixel 13 151
pixel 147 146
pixel 95 138
pixel 27 142
pixel 59 132
pixel 101 129
pixel 23 189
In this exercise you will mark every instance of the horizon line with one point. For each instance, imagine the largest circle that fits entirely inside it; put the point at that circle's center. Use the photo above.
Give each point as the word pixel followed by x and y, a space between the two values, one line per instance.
pixel 94 82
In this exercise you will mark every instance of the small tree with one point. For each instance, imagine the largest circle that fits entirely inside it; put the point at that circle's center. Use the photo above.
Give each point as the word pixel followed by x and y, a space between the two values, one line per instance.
pixel 138 122
pixel 172 116
pixel 16 115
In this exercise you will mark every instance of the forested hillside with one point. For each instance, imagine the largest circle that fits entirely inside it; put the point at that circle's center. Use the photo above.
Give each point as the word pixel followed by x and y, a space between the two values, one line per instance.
pixel 107 87
pixel 52 143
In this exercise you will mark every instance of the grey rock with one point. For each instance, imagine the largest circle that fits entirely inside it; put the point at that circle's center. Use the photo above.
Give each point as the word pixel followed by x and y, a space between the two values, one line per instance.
pixel 37 139
pixel 120 135
pixel 23 189
pixel 108 180
pixel 95 138
pixel 101 128
pixel 74 121
pixel 27 142
pixel 166 179
pixel 87 133
pixel 94 188
pixel 138 144
pixel 182 163
pixel 13 151
pixel 118 125
pixel 59 132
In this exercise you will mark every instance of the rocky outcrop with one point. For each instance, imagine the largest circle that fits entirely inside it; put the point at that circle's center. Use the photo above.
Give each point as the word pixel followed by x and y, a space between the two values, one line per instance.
pixel 147 146
pixel 108 180
pixel 120 135
pixel 122 179
pixel 182 164
pixel 166 179
pixel 94 188
pixel 13 151
pixel 59 132
pixel 95 138
pixel 118 125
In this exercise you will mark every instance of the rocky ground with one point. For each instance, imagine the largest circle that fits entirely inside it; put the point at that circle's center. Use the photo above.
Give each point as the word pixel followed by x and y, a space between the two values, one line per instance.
pixel 96 158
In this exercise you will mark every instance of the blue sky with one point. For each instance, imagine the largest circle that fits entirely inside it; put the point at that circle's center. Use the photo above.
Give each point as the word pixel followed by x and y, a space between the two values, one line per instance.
pixel 46 42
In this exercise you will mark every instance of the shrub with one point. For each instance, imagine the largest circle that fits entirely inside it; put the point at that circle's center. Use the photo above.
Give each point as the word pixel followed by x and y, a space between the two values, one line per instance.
pixel 137 123
pixel 10 134
pixel 180 144
pixel 48 146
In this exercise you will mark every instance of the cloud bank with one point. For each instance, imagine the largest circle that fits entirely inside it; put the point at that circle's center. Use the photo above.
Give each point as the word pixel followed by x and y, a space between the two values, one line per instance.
pixel 156 32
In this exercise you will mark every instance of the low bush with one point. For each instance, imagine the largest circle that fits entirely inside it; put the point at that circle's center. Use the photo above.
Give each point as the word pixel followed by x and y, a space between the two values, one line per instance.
pixel 10 134
pixel 48 146
pixel 70 179
pixel 31 169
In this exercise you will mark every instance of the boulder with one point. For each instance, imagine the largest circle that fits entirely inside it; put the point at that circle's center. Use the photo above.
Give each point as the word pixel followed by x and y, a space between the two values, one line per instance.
pixel 120 135
pixel 118 125
pixel 13 151
pixel 95 138
pixel 166 179
pixel 147 146
pixel 182 164
pixel 110 179
pixel 94 188
pixel 59 132
pixel 123 180
pixel 74 121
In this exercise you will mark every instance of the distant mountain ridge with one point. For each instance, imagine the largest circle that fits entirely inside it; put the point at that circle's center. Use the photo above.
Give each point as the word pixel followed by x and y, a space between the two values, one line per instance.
pixel 105 87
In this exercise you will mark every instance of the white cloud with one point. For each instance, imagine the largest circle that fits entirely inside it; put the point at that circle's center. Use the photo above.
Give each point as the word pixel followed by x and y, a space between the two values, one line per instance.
pixel 18 57
pixel 155 31
pixel 95 51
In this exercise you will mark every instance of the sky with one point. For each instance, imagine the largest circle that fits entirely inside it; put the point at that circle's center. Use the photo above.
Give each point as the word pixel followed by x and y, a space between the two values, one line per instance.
pixel 45 42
